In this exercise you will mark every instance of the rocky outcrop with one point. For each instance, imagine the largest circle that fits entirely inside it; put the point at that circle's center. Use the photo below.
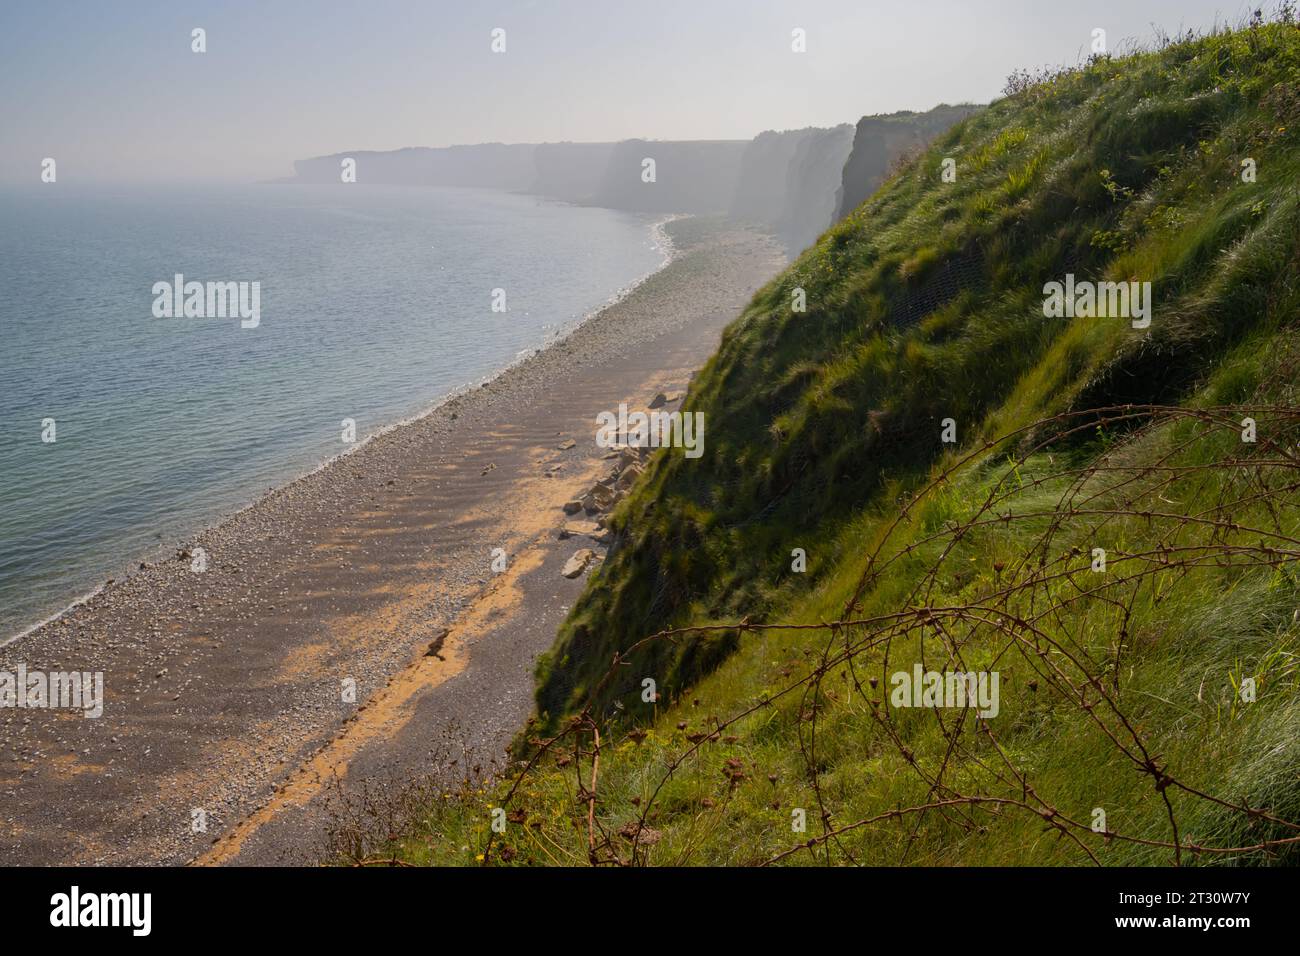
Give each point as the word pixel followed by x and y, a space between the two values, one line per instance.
pixel 880 141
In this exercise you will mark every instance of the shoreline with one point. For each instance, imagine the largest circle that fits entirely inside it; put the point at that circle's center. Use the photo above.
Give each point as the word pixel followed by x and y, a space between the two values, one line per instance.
pixel 662 241
pixel 222 688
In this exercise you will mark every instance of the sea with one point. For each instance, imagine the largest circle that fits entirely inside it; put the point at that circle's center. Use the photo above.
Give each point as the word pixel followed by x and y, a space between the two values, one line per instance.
pixel 123 432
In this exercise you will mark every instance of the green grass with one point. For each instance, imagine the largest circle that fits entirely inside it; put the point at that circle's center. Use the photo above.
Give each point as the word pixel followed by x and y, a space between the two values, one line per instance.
pixel 1120 690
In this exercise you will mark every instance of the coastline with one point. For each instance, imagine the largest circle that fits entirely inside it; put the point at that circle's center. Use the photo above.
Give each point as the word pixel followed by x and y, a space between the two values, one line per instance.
pixel 222 687
pixel 663 243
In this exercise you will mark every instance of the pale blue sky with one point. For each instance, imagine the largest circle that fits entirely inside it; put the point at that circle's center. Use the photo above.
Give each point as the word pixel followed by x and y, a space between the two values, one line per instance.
pixel 112 91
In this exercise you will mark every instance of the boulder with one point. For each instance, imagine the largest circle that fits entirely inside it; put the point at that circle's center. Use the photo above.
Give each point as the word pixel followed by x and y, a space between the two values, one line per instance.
pixel 578 563
pixel 601 497
pixel 576 528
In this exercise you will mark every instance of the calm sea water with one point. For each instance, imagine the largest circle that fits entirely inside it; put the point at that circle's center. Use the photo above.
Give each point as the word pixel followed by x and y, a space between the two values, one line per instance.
pixel 375 303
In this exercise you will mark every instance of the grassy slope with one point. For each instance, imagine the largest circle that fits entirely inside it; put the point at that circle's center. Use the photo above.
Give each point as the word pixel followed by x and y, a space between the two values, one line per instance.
pixel 823 434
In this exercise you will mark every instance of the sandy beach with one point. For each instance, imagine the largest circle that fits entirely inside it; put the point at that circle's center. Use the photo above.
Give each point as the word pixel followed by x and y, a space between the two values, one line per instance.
pixel 223 688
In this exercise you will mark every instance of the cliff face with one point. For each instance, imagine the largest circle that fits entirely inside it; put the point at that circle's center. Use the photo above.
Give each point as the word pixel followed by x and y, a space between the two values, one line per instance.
pixel 570 171
pixel 397 166
pixel 764 168
pixel 795 183
pixel 491 165
pixel 881 140
pixel 799 182
pixel 810 191
pixel 689 176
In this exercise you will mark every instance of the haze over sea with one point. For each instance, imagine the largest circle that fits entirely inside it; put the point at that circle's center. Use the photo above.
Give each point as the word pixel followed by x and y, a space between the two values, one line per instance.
pixel 375 303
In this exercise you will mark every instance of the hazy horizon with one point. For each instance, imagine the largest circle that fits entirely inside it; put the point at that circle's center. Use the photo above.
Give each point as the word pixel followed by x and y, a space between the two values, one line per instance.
pixel 114 92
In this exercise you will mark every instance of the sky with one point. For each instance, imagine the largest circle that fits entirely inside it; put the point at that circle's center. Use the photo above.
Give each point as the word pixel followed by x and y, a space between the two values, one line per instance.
pixel 114 92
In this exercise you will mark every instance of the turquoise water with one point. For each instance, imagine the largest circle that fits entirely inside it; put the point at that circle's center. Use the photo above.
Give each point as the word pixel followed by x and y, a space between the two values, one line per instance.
pixel 375 303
